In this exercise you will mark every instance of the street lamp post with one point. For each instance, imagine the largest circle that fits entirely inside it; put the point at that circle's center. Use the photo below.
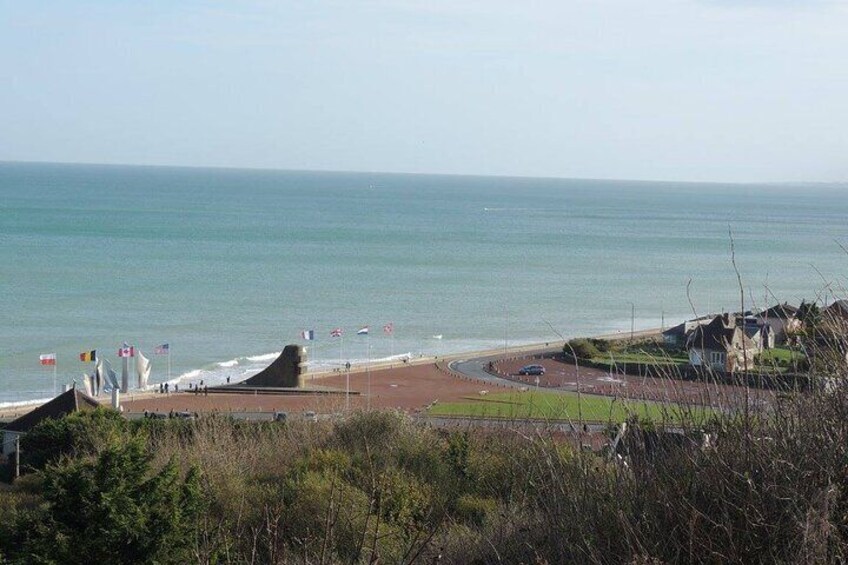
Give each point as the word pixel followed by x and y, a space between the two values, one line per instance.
pixel 369 377
pixel 632 320
pixel 506 329
pixel 347 387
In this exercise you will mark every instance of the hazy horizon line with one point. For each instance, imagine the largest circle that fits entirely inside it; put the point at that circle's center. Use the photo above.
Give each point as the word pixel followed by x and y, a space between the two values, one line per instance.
pixel 420 173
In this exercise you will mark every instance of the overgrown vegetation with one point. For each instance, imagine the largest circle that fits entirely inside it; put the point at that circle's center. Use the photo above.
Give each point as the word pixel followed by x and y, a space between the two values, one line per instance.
pixel 762 481
pixel 611 352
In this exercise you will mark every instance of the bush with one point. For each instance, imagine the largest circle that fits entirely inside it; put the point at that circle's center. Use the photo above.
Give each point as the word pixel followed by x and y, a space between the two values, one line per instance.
pixel 80 433
pixel 111 509
pixel 582 348
pixel 474 509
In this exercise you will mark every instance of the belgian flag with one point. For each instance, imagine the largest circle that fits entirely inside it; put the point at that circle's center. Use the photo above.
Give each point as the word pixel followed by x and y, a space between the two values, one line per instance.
pixel 88 356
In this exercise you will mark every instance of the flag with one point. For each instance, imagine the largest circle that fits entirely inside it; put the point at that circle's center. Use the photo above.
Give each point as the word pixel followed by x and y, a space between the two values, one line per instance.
pixel 88 356
pixel 389 328
pixel 126 351
pixel 362 331
pixel 336 332
pixel 47 358
pixel 163 349
pixel 308 335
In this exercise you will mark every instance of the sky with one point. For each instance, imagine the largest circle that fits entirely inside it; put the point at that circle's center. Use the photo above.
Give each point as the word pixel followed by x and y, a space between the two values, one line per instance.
pixel 700 90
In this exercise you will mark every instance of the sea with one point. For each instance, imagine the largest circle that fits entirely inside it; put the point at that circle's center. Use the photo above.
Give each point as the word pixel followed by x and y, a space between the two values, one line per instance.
pixel 228 266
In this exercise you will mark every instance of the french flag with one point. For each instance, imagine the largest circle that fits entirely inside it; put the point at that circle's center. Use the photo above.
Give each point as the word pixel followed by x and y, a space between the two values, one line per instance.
pixel 362 331
pixel 308 335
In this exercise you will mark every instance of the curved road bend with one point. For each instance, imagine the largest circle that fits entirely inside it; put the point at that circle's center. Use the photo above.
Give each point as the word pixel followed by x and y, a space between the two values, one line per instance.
pixel 475 368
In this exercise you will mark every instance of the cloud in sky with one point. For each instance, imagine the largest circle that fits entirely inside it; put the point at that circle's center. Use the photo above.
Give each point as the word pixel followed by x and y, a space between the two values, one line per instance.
pixel 694 90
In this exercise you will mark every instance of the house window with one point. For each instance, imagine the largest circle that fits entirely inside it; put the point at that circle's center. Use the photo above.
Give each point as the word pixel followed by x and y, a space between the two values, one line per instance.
pixel 716 358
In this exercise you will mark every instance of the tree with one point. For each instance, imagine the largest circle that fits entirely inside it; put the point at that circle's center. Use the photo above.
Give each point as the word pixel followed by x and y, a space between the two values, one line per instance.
pixel 112 509
pixel 75 434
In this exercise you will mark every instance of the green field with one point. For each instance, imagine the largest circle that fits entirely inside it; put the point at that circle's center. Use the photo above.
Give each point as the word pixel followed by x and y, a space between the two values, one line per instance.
pixel 779 359
pixel 562 406
pixel 779 354
pixel 641 358
pixel 649 354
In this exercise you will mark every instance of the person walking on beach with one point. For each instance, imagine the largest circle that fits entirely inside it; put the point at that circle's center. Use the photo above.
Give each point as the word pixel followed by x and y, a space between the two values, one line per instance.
pixel 161 388
pixel 166 388
pixel 228 380
pixel 205 390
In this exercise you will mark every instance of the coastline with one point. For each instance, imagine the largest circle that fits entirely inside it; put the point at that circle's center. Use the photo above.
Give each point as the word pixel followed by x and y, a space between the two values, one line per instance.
pixel 525 350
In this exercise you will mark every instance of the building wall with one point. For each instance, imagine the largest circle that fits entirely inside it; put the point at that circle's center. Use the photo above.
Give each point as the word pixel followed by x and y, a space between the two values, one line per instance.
pixel 8 439
pixel 706 358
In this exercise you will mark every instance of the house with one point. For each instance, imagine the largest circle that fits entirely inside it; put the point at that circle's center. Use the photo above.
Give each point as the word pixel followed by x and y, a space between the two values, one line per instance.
pixel 66 403
pixel 676 336
pixel 783 320
pixel 836 315
pixel 758 332
pixel 721 345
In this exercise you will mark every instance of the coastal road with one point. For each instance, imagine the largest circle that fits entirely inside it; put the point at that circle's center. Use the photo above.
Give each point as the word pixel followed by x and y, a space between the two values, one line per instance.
pixel 475 368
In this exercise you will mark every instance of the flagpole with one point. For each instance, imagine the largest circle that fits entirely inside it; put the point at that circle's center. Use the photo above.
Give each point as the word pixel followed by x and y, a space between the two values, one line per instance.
pixel 55 365
pixel 368 344
pixel 347 380
pixel 169 361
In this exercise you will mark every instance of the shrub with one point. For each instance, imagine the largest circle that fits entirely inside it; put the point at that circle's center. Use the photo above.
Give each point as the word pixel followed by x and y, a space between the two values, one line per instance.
pixel 80 433
pixel 474 509
pixel 112 509
pixel 582 348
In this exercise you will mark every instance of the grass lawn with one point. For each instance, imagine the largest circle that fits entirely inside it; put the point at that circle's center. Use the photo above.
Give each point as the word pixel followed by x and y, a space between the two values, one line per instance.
pixel 650 354
pixel 544 405
pixel 778 354
pixel 778 359
pixel 641 358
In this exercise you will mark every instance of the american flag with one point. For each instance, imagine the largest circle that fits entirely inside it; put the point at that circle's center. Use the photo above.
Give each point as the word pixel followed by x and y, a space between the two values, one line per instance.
pixel 163 349
pixel 336 332
pixel 389 328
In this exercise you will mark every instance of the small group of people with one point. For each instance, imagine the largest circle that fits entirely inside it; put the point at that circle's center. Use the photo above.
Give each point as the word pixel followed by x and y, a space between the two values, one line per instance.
pixel 172 414
pixel 165 388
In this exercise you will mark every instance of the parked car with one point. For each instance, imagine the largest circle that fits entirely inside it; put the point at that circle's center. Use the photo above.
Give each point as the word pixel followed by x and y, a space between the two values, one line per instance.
pixel 310 416
pixel 531 370
pixel 280 416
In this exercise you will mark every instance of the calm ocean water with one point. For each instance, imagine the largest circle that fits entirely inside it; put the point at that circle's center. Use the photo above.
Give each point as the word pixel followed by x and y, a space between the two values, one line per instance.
pixel 228 266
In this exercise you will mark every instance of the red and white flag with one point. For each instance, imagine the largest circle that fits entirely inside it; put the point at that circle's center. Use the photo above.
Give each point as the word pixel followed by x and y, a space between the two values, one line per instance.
pixel 47 358
pixel 126 351
pixel 336 332
pixel 389 328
